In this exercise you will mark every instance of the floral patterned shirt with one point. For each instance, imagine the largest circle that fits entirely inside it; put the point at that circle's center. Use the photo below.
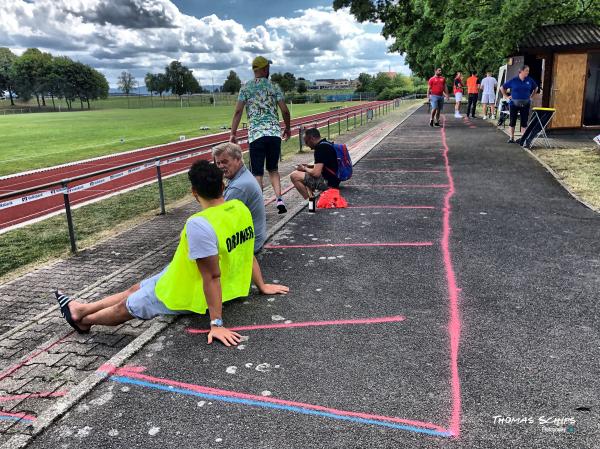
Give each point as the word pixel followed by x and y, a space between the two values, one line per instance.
pixel 261 97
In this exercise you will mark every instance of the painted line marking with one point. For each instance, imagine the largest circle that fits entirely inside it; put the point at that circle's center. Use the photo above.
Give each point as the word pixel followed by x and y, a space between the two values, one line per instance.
pixel 16 416
pixel 399 159
pixel 454 326
pixel 405 186
pixel 171 386
pixel 397 171
pixel 338 245
pixel 387 207
pixel 17 397
pixel 388 319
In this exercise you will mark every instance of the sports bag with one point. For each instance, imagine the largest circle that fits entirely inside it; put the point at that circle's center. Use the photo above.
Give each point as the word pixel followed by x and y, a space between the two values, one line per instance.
pixel 344 163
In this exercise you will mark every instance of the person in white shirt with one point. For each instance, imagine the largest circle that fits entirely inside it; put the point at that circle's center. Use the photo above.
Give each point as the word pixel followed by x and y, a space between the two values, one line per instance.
pixel 488 98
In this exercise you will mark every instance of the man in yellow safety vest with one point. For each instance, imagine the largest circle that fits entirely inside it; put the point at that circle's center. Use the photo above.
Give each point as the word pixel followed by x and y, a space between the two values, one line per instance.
pixel 212 264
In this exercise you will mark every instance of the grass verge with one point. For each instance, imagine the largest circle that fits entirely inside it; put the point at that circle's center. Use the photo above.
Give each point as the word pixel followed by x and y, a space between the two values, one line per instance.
pixel 578 168
pixel 47 239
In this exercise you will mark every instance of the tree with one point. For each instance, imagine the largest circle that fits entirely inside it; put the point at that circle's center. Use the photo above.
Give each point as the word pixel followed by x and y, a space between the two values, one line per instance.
pixel 176 76
pixel 364 83
pixel 191 84
pixel 7 59
pixel 380 82
pixel 232 84
pixel 440 34
pixel 151 82
pixel 162 83
pixel 89 83
pixel 126 82
pixel 287 81
pixel 302 87
pixel 31 71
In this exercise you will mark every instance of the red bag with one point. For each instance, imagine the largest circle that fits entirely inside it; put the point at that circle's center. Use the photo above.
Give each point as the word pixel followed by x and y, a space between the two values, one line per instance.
pixel 331 199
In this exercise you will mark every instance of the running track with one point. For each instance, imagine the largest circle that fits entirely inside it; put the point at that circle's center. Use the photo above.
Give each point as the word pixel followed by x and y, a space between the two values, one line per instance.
pixel 29 211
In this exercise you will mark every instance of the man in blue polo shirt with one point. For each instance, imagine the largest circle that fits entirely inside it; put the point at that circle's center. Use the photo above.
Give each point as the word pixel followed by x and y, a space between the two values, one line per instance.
pixel 522 89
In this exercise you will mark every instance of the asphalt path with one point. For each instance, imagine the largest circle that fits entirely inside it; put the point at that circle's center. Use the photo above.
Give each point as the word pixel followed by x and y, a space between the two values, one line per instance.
pixel 30 210
pixel 454 304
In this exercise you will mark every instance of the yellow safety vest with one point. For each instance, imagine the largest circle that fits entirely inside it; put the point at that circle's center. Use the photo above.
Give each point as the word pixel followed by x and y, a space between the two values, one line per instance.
pixel 181 287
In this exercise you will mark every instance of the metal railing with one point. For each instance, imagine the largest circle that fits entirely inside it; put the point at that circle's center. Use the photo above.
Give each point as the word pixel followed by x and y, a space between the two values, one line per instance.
pixel 23 196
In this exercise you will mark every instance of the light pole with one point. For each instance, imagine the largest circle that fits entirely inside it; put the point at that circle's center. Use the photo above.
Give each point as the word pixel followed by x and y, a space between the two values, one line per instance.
pixel 212 80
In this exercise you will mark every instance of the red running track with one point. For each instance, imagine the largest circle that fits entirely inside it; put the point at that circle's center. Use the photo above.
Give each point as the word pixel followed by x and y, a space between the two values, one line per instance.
pixel 28 211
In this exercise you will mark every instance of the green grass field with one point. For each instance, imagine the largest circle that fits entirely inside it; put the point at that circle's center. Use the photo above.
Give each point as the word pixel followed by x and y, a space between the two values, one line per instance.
pixel 40 140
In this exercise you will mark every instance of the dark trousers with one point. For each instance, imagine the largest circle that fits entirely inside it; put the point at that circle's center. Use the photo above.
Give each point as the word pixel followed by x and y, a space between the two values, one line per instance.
pixel 472 104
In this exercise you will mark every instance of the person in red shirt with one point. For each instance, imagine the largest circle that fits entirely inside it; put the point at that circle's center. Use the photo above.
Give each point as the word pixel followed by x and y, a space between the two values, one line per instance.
pixel 436 91
pixel 458 93
pixel 473 91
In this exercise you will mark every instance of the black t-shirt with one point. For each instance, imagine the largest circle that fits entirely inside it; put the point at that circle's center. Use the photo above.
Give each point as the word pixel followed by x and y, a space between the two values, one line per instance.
pixel 326 155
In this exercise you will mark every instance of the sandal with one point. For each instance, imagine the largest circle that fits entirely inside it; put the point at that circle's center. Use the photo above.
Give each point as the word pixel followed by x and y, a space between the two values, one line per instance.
pixel 63 302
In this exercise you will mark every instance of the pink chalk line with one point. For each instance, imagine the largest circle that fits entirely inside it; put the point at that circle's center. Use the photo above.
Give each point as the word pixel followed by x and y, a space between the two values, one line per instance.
pixel 455 321
pixel 19 365
pixel 388 207
pixel 17 397
pixel 234 394
pixel 387 319
pixel 397 171
pixel 337 245
pixel 399 159
pixel 402 186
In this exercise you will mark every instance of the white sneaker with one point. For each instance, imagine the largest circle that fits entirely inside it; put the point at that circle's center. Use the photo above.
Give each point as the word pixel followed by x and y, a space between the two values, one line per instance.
pixel 485 117
pixel 457 115
pixel 493 117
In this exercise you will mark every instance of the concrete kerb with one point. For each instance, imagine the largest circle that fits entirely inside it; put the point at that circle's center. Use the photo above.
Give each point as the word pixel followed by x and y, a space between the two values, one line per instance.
pixel 64 404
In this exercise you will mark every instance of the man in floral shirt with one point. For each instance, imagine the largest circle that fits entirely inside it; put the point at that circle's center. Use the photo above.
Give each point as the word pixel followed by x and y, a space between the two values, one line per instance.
pixel 261 98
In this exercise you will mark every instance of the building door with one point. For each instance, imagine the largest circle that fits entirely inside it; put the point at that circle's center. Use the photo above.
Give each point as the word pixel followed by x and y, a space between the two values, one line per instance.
pixel 568 88
pixel 591 114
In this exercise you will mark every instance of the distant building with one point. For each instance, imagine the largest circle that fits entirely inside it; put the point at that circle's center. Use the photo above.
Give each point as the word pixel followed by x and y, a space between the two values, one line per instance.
pixel 331 83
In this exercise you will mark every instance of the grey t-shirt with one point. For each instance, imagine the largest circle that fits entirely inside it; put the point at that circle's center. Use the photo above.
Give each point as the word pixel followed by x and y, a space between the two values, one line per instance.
pixel 202 239
pixel 244 187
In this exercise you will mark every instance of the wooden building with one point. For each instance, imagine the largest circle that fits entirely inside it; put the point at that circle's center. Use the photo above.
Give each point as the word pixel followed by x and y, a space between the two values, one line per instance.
pixel 565 60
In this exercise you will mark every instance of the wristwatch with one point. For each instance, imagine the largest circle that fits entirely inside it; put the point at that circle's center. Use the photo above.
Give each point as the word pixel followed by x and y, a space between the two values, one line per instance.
pixel 217 322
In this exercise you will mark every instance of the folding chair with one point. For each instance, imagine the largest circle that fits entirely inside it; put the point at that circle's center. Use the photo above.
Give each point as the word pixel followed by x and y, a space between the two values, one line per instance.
pixel 540 117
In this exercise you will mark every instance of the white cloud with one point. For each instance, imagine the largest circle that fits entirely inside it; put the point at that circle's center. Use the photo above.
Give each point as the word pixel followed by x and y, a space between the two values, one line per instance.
pixel 145 35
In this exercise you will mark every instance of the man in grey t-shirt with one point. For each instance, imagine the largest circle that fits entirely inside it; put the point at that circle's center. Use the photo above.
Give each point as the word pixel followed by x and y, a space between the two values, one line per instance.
pixel 244 187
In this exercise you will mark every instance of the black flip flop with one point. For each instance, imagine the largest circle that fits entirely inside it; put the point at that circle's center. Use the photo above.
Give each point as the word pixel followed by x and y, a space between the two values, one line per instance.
pixel 63 302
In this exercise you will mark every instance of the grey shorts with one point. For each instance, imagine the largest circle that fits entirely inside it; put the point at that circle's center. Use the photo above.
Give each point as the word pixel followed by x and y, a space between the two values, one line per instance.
pixel 144 305
pixel 437 101
pixel 314 183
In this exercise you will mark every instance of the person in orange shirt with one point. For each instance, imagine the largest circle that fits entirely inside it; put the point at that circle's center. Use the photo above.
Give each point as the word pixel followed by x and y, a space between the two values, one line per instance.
pixel 473 91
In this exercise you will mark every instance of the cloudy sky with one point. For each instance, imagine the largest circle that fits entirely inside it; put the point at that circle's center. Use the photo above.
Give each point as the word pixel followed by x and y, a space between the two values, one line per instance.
pixel 304 37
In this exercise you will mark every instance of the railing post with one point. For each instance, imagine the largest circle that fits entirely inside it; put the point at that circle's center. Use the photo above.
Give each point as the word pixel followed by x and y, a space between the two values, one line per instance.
pixel 328 135
pixel 347 122
pixel 361 124
pixel 300 136
pixel 355 120
pixel 161 192
pixel 69 218
pixel 339 125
